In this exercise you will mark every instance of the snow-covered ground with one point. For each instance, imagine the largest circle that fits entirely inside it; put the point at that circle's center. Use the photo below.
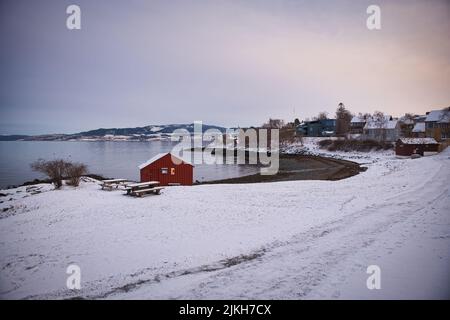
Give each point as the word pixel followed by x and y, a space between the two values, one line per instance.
pixel 309 146
pixel 297 239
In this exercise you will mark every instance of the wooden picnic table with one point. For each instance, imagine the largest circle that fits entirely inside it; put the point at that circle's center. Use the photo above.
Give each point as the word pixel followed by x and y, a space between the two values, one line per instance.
pixel 142 184
pixel 139 189
pixel 114 180
pixel 109 184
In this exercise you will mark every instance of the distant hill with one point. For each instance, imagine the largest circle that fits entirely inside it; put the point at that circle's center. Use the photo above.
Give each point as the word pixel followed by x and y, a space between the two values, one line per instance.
pixel 148 130
pixel 13 137
pixel 138 133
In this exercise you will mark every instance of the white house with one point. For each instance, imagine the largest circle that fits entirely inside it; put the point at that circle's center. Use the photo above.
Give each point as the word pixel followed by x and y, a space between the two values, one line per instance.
pixel 382 130
pixel 419 130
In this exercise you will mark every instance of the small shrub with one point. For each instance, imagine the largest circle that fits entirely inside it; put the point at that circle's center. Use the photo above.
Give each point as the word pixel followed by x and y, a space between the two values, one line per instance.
pixel 54 169
pixel 74 173
pixel 58 169
pixel 325 143
pixel 340 144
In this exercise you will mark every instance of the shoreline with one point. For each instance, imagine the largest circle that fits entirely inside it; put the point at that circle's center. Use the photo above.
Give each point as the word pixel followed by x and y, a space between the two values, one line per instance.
pixel 49 181
pixel 293 167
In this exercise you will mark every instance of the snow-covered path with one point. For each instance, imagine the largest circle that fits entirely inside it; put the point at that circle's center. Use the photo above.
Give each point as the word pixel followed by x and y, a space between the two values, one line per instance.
pixel 299 239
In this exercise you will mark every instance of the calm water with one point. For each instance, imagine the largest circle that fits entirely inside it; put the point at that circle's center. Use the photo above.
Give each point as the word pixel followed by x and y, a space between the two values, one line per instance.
pixel 110 159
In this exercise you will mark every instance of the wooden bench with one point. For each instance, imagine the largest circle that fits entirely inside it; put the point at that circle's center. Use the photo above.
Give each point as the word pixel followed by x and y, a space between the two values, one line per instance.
pixel 141 192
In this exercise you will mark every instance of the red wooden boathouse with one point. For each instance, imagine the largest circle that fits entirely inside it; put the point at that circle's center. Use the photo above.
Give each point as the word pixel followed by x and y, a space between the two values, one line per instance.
pixel 168 169
pixel 422 146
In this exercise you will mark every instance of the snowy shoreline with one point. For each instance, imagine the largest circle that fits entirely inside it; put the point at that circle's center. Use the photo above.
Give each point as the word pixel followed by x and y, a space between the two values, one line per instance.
pixel 309 149
pixel 294 239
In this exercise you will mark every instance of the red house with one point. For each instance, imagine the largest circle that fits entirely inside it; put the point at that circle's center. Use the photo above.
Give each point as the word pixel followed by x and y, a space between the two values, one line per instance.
pixel 168 169
pixel 422 146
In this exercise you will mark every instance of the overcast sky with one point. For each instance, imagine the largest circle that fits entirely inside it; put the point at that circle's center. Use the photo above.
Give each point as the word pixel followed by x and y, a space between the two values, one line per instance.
pixel 230 63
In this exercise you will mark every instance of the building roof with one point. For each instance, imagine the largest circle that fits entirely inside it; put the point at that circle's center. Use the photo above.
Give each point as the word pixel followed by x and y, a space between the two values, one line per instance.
pixel 407 120
pixel 387 124
pixel 159 156
pixel 418 141
pixel 419 127
pixel 357 119
pixel 440 116
pixel 420 118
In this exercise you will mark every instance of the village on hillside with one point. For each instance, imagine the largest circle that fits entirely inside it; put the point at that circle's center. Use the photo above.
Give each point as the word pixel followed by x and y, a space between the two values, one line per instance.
pixel 409 135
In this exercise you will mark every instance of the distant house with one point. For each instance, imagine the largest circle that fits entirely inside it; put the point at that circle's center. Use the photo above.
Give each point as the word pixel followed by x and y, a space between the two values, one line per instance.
pixel 382 130
pixel 357 125
pixel 317 128
pixel 419 130
pixel 437 124
pixel 406 126
pixel 168 169
pixel 422 146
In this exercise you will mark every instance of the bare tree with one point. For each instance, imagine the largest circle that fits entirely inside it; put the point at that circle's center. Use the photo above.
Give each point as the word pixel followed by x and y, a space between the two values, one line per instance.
pixel 343 118
pixel 58 169
pixel 364 116
pixel 74 173
pixel 287 136
pixel 407 125
pixel 322 115
pixel 299 138
pixel 289 125
pixel 274 124
pixel 54 169
pixel 380 123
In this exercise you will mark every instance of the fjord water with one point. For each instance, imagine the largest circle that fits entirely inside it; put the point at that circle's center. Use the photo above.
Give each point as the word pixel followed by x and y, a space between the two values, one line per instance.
pixel 112 159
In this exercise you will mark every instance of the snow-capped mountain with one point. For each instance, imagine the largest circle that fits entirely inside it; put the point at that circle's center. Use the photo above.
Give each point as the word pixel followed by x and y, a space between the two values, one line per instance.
pixel 138 133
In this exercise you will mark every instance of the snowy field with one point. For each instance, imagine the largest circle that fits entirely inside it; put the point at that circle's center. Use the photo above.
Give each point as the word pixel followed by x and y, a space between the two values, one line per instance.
pixel 289 240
